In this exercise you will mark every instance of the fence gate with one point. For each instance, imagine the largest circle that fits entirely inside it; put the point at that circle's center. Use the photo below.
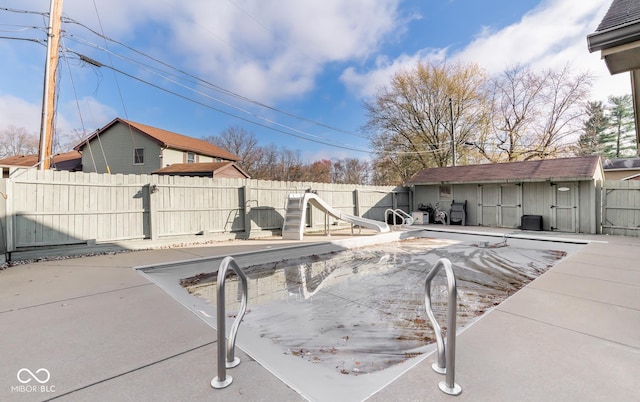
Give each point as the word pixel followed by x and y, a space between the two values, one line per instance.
pixel 621 208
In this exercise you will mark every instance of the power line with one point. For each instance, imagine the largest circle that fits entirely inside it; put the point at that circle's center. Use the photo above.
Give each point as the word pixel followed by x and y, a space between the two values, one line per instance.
pixel 15 10
pixel 227 104
pixel 214 86
pixel 225 112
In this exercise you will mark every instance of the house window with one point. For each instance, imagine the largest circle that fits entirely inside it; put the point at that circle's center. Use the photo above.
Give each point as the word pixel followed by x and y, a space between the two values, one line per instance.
pixel 138 156
pixel 191 157
pixel 445 193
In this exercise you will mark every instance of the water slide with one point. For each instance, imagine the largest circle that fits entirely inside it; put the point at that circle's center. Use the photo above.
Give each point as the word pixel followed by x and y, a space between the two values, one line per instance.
pixel 296 211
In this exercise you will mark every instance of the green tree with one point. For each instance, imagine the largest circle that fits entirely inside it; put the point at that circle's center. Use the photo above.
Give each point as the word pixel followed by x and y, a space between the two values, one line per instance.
pixel 619 140
pixel 593 130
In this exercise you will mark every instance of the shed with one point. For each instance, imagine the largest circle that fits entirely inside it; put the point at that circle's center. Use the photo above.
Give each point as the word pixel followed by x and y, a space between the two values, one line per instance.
pixel 565 192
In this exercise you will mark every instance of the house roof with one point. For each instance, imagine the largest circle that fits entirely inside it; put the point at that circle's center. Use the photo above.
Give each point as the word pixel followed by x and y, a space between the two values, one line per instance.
pixel 621 164
pixel 169 139
pixel 568 169
pixel 71 161
pixel 209 168
pixel 620 25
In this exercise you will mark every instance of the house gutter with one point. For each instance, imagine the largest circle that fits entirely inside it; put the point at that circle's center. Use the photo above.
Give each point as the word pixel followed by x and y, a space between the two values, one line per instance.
pixel 612 37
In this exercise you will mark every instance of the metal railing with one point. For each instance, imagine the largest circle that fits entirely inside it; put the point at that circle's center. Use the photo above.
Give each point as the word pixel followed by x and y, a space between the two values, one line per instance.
pixel 446 353
pixel 226 350
pixel 406 218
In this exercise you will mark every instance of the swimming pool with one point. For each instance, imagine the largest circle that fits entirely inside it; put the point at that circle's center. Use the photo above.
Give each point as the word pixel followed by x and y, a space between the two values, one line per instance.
pixel 355 318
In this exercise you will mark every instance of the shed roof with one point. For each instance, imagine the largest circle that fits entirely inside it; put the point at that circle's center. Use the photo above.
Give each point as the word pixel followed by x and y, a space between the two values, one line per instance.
pixel 200 169
pixel 71 161
pixel 568 169
pixel 170 140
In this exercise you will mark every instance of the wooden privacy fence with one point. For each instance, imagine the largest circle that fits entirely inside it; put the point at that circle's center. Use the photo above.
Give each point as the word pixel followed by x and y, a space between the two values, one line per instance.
pixel 621 208
pixel 49 208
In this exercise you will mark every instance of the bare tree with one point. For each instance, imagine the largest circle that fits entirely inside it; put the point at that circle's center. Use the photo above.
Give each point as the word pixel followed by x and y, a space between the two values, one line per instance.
pixel 535 115
pixel 351 171
pixel 411 120
pixel 320 171
pixel 17 141
pixel 242 143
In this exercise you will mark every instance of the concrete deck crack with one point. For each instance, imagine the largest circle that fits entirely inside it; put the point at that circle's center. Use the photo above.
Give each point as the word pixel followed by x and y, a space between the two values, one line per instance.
pixel 132 370
pixel 75 298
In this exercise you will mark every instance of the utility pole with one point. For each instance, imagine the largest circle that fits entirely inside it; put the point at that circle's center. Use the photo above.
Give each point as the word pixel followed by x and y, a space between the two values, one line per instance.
pixel 453 136
pixel 47 124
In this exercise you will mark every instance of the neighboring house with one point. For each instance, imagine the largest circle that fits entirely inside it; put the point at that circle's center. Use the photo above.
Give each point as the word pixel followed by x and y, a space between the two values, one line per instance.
pixel 564 192
pixel 617 38
pixel 207 169
pixel 71 161
pixel 621 169
pixel 128 147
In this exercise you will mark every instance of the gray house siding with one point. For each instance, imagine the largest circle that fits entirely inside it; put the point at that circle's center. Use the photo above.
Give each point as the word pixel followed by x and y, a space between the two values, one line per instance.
pixel 118 146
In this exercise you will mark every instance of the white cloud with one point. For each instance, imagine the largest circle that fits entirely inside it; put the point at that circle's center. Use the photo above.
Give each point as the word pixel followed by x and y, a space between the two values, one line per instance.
pixel 368 83
pixel 264 49
pixel 92 115
pixel 17 112
pixel 549 36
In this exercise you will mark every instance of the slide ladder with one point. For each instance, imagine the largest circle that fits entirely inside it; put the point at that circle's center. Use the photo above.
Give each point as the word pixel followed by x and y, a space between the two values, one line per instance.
pixel 296 211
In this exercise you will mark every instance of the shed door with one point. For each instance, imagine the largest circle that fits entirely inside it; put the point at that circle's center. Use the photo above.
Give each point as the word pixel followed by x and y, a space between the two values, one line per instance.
pixel 489 201
pixel 564 207
pixel 510 206
pixel 500 205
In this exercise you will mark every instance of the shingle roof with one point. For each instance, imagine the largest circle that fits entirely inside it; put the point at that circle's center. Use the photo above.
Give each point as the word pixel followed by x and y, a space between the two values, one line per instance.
pixel 620 12
pixel 65 161
pixel 621 164
pixel 556 169
pixel 171 140
pixel 620 25
pixel 199 168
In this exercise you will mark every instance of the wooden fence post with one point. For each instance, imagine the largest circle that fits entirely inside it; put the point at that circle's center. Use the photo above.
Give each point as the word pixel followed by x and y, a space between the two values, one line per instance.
pixel 149 190
pixel 246 209
pixel 6 216
pixel 356 202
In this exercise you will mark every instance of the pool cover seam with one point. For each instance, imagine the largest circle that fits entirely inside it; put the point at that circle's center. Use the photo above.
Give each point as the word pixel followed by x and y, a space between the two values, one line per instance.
pixel 132 370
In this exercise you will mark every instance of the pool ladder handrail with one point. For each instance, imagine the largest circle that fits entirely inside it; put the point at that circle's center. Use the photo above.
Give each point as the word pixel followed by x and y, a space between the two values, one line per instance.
pixel 406 218
pixel 446 353
pixel 226 356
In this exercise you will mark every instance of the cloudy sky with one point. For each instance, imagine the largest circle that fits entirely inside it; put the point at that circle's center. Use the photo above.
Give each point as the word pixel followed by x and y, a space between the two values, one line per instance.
pixel 295 73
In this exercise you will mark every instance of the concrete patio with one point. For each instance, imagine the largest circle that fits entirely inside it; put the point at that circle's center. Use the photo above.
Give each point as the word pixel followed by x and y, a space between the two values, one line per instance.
pixel 104 333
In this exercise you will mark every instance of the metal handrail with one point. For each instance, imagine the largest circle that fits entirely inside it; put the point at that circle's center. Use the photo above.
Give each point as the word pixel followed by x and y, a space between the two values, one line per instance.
pixel 226 356
pixel 406 218
pixel 446 353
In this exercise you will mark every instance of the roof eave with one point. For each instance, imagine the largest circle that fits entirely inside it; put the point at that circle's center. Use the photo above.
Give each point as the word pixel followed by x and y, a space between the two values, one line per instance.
pixel 507 181
pixel 616 36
